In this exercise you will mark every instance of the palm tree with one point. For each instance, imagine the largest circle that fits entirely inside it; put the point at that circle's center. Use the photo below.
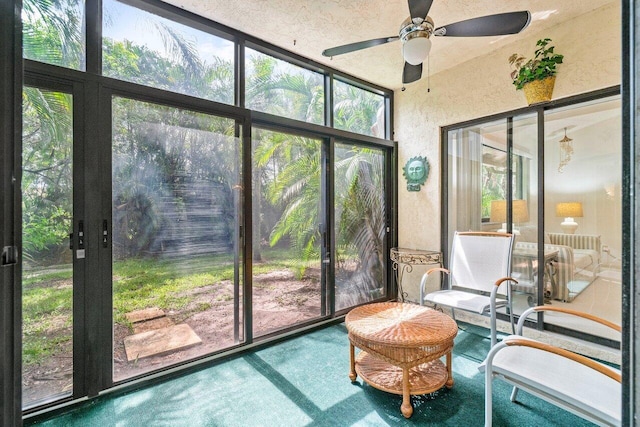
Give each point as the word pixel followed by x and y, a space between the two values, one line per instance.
pixel 53 32
pixel 295 187
pixel 290 167
pixel 46 178
pixel 279 88
pixel 356 109
pixel 360 223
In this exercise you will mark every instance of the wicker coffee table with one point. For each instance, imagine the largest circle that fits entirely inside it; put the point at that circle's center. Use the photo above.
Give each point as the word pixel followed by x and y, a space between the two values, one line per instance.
pixel 402 345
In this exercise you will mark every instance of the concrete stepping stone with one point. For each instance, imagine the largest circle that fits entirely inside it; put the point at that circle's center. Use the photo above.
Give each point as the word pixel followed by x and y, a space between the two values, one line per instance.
pixel 150 325
pixel 160 341
pixel 143 315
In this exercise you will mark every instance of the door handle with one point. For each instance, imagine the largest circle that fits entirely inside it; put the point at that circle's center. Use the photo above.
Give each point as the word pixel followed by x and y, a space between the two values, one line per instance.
pixel 80 252
pixel 80 235
pixel 105 233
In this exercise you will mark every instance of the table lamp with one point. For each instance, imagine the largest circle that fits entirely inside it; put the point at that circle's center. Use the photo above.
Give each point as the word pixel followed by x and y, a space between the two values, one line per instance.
pixel 519 213
pixel 569 210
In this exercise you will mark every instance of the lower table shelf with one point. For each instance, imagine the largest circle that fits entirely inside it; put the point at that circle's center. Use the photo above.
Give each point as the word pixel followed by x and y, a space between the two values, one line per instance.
pixel 423 379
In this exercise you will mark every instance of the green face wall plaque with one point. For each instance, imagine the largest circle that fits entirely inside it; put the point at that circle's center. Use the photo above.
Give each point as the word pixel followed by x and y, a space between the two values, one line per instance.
pixel 416 171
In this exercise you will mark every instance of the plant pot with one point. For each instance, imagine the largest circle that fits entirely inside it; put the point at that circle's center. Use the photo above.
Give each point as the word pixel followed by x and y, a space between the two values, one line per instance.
pixel 539 91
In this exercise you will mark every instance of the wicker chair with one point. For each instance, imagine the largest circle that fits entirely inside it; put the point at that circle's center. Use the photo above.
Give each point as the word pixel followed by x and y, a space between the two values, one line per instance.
pixel 478 276
pixel 568 380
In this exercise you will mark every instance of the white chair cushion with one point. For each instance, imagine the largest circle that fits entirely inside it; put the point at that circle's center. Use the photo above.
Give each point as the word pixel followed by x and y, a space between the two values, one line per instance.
pixel 562 378
pixel 463 300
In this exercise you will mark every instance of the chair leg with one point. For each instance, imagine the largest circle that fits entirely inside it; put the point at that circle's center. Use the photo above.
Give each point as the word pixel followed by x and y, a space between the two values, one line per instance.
pixel 513 326
pixel 488 400
pixel 514 394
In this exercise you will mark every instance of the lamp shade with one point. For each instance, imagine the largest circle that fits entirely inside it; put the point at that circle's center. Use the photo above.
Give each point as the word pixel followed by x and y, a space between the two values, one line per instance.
pixel 498 211
pixel 416 49
pixel 569 209
pixel 519 211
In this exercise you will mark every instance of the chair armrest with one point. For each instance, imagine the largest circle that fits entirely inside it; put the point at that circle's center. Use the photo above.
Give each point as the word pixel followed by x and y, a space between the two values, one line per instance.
pixel 434 269
pixel 568 311
pixel 614 375
pixel 425 276
pixel 504 279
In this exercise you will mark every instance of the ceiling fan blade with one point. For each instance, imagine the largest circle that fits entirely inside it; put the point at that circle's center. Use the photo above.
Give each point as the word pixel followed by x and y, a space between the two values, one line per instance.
pixel 411 73
pixel 339 50
pixel 492 25
pixel 419 8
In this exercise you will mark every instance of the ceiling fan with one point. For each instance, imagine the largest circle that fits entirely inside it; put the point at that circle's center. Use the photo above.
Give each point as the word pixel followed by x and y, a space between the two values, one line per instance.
pixel 417 29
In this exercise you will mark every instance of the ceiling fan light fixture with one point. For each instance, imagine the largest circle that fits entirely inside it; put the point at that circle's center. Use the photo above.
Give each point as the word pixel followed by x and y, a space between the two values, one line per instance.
pixel 416 48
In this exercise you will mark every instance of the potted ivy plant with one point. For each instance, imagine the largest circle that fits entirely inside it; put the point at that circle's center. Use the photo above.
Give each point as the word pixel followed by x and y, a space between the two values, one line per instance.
pixel 536 76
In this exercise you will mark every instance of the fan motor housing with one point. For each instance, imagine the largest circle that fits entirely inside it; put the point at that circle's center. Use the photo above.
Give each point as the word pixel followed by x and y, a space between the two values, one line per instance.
pixel 410 30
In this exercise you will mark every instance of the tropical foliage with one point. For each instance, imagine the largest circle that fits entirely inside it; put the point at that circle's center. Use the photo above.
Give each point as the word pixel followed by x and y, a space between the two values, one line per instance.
pixel 360 224
pixel 158 150
pixel 47 179
pixel 53 33
pixel 177 179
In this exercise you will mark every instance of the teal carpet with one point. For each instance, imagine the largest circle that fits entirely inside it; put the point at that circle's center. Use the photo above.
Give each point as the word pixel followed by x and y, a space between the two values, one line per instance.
pixel 304 382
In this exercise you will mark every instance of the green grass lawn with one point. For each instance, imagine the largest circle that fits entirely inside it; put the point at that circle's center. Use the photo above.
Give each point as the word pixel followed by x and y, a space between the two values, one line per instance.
pixel 137 284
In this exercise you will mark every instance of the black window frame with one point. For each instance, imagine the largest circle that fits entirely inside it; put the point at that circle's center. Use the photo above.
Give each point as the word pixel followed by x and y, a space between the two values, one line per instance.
pixel 95 94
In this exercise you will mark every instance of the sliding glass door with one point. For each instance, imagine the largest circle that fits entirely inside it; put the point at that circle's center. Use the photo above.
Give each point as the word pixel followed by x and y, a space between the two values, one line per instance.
pixel 360 225
pixel 553 178
pixel 288 222
pixel 176 212
pixel 48 280
pixel 583 209
pixel 535 284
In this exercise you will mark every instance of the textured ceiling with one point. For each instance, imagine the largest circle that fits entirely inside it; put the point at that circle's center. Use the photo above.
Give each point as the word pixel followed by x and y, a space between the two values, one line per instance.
pixel 307 27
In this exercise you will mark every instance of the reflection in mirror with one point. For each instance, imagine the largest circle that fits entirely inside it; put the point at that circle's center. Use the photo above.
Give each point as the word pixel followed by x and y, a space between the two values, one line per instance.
pixel 574 261
pixel 583 178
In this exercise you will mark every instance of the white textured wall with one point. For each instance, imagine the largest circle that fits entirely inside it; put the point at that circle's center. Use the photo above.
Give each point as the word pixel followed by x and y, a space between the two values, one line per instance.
pixel 591 45
pixel 481 87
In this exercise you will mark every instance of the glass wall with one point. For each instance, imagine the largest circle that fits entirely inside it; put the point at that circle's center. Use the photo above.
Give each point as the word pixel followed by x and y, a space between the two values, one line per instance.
pixel 287 221
pixel 358 110
pixel 569 256
pixel 175 210
pixel 583 205
pixel 53 32
pixel 209 191
pixel 360 225
pixel 277 87
pixel 47 268
pixel 145 48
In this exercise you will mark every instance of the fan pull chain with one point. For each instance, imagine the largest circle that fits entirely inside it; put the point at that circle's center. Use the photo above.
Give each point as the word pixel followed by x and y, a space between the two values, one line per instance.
pixel 428 74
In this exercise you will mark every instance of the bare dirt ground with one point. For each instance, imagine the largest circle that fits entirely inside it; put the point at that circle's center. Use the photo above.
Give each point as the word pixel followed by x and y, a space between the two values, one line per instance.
pixel 279 300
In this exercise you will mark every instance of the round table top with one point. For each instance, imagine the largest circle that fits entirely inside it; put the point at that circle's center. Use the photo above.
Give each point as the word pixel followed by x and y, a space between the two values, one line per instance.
pixel 400 324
